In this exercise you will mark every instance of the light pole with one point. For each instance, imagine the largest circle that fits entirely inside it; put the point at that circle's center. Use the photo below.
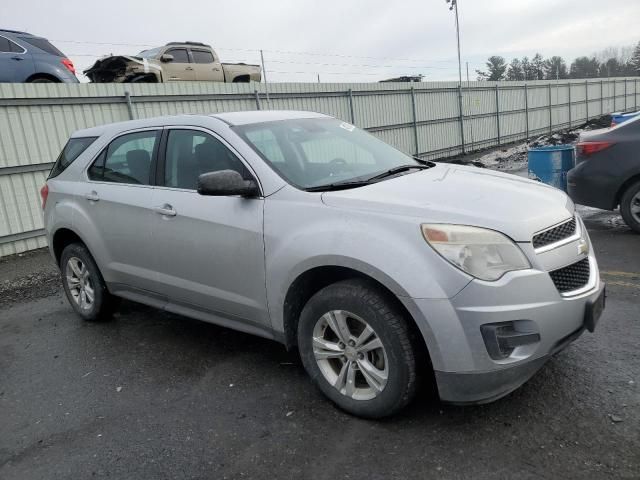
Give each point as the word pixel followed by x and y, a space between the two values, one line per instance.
pixel 453 5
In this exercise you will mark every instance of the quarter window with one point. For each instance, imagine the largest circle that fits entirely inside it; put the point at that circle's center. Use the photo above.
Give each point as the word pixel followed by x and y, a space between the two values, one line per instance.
pixel 190 153
pixel 127 159
pixel 179 55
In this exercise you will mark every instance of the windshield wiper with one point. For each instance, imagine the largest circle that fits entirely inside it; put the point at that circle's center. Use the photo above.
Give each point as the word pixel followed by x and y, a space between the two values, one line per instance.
pixel 339 186
pixel 399 169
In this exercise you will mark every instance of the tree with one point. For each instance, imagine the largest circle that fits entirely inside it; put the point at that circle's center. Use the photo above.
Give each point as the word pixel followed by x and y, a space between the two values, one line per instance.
pixel 496 67
pixel 537 67
pixel 555 68
pixel 612 68
pixel 515 72
pixel 634 62
pixel 527 69
pixel 584 67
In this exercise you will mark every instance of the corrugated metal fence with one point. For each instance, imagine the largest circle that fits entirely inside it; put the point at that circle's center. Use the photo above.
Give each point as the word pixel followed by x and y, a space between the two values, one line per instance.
pixel 421 118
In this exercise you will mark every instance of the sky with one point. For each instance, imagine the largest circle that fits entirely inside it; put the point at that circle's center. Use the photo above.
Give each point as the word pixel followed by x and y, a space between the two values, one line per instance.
pixel 337 40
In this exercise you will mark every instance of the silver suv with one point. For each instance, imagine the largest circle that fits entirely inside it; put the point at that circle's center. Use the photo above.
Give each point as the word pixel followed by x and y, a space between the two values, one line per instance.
pixel 378 267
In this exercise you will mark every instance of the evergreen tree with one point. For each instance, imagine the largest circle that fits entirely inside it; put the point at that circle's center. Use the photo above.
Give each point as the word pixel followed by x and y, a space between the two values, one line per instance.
pixel 515 72
pixel 555 68
pixel 634 62
pixel 537 66
pixel 496 68
pixel 585 67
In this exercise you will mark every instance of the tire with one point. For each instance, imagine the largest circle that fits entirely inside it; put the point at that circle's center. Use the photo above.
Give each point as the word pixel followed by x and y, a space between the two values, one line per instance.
pixel 42 80
pixel 630 206
pixel 349 303
pixel 80 277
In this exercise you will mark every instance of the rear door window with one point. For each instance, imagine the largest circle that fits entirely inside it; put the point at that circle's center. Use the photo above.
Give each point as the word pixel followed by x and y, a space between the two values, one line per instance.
pixel 202 56
pixel 72 150
pixel 43 44
pixel 127 159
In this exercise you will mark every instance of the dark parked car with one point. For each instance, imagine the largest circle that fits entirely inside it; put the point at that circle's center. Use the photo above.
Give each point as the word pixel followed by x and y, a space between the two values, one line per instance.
pixel 28 58
pixel 607 172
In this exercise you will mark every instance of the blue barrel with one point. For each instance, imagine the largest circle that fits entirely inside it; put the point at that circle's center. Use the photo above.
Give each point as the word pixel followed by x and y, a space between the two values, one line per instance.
pixel 551 164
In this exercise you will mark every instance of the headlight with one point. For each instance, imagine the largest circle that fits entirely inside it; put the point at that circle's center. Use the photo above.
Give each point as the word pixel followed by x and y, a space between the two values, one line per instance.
pixel 484 254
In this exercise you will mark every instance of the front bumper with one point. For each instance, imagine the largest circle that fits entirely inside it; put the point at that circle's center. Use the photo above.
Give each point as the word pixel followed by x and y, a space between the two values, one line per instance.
pixel 464 369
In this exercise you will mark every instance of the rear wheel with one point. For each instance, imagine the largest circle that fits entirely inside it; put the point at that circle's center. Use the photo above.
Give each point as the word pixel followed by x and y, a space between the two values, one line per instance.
pixel 355 345
pixel 85 288
pixel 630 206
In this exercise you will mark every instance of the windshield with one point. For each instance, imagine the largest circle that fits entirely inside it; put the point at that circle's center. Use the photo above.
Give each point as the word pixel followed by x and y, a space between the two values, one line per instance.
pixel 313 152
pixel 150 53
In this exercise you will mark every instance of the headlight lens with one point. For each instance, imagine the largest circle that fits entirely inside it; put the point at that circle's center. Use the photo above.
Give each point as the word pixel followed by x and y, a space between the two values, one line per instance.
pixel 484 254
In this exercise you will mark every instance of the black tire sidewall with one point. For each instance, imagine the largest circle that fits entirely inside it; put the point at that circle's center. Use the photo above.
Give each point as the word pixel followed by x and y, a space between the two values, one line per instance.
pixel 370 304
pixel 625 206
pixel 98 310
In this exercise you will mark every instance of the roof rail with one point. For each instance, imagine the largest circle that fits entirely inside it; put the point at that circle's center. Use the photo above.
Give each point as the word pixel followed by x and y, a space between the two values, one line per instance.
pixel 199 44
pixel 14 31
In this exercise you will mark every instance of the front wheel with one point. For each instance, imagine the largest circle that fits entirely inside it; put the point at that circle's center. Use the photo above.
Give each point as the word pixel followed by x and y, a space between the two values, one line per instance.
pixel 630 206
pixel 85 288
pixel 355 345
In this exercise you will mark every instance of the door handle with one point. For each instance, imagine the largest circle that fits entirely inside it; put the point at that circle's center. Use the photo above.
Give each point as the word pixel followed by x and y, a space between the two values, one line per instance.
pixel 189 68
pixel 216 69
pixel 165 210
pixel 92 197
pixel 18 59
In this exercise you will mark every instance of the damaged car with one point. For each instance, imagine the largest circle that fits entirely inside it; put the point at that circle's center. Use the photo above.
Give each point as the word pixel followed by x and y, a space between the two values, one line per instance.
pixel 175 61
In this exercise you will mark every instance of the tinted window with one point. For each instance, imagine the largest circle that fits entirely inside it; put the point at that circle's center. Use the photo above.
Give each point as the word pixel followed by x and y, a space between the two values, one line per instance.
pixel 71 151
pixel 43 44
pixel 179 55
pixel 15 47
pixel 202 56
pixel 191 153
pixel 127 159
pixel 5 45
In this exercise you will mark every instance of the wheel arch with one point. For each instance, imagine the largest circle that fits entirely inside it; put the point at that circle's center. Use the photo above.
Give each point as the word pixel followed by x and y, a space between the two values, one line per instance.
pixel 625 185
pixel 43 75
pixel 312 280
pixel 61 239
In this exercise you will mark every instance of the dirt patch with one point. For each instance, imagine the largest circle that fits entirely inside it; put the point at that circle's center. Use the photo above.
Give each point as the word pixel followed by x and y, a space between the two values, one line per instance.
pixel 27 276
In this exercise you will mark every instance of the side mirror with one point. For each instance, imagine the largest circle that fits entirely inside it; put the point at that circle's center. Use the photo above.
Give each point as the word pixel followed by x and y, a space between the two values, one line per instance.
pixel 166 58
pixel 226 183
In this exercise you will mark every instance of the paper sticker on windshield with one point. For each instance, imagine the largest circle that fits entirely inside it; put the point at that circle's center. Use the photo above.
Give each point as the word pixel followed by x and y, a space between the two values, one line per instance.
pixel 347 126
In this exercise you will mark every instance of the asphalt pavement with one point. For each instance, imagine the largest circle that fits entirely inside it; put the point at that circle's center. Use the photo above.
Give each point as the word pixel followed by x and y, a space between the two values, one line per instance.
pixel 154 395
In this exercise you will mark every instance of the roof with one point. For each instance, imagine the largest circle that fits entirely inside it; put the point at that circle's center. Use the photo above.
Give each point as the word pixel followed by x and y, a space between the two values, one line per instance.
pixel 231 118
pixel 259 116
pixel 16 31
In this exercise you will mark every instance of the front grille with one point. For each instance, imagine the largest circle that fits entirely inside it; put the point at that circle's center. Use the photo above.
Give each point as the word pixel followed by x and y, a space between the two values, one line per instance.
pixel 572 277
pixel 555 234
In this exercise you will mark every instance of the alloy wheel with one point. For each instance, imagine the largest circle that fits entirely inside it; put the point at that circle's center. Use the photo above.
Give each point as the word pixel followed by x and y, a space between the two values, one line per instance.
pixel 350 355
pixel 79 283
pixel 635 207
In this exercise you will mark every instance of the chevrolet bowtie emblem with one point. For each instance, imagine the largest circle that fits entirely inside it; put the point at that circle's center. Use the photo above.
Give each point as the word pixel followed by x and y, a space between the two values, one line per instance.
pixel 583 247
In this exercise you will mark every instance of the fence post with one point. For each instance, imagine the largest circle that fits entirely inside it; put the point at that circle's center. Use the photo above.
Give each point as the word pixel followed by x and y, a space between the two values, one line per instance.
pixel 550 110
pixel 415 121
pixel 258 106
pixel 569 85
pixel 586 96
pixel 635 94
pixel 601 99
pixel 461 118
pixel 127 97
pixel 498 113
pixel 526 109
pixel 353 116
pixel 625 94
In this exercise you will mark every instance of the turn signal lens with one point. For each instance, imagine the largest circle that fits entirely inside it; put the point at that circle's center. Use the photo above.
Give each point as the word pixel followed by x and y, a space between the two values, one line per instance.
pixel 44 193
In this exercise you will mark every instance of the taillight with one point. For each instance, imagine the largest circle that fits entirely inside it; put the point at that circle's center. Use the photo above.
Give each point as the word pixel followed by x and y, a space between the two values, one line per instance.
pixel 69 64
pixel 587 148
pixel 44 193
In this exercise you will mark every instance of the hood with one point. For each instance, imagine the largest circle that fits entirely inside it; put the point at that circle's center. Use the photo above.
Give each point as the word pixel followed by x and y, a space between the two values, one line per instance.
pixel 463 195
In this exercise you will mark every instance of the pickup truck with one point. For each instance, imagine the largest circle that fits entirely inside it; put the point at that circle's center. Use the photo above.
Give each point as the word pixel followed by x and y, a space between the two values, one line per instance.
pixel 175 61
